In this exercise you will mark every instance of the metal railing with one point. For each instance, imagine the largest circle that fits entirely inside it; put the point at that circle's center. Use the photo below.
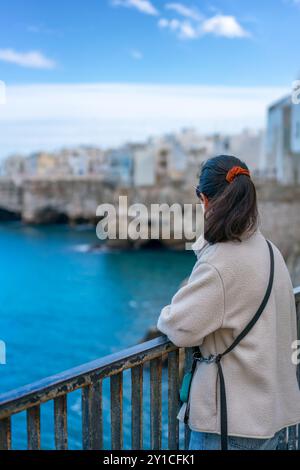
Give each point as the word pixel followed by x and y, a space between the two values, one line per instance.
pixel 153 357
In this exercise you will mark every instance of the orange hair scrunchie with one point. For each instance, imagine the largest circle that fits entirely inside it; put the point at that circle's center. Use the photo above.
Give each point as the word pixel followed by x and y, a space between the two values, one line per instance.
pixel 235 171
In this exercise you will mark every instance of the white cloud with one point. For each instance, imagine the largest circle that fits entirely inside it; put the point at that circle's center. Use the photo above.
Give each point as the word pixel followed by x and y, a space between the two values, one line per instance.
pixel 226 26
pixel 184 29
pixel 136 54
pixel 32 59
pixel 218 25
pixel 135 101
pixel 144 6
pixel 185 11
pixel 50 116
pixel 193 25
pixel 164 23
pixel 188 31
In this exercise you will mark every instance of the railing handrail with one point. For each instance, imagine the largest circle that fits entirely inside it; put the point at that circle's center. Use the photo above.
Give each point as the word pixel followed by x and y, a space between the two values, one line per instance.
pixel 48 388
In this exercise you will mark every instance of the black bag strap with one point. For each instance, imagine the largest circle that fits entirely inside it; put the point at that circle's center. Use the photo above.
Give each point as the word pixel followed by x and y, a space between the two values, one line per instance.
pixel 223 401
pixel 238 339
pixel 261 307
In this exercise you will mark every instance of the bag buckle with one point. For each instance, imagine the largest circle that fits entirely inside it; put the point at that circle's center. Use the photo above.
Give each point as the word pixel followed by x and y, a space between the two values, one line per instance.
pixel 207 360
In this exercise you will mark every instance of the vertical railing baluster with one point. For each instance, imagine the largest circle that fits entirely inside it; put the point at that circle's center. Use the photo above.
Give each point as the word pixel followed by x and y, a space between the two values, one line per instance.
pixel 282 442
pixel 187 366
pixel 116 404
pixel 173 400
pixel 137 407
pixel 85 407
pixel 96 416
pixel 92 426
pixel 155 402
pixel 60 423
pixel 33 428
pixel 292 438
pixel 5 434
pixel 298 337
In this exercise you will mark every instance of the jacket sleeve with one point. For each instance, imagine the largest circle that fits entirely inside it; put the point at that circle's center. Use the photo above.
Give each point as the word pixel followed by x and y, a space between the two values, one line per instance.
pixel 196 310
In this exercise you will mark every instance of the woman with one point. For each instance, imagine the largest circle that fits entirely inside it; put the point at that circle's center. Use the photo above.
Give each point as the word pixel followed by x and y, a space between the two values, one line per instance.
pixel 244 400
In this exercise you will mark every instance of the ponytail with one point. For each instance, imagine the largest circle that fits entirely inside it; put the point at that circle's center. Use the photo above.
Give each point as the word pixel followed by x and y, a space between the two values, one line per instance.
pixel 232 207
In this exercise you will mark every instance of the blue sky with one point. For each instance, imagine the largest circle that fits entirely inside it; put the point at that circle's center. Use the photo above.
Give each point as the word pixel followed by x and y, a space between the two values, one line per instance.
pixel 107 71
pixel 228 42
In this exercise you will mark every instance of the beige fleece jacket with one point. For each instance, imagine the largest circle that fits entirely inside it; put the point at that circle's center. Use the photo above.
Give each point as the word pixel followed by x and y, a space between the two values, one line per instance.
pixel 224 291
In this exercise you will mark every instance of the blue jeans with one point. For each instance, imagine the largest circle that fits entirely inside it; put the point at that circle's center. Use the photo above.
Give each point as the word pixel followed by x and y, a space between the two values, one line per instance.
pixel 209 441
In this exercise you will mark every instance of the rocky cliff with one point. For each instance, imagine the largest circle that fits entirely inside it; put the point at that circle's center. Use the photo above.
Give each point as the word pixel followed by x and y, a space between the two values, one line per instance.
pixel 75 200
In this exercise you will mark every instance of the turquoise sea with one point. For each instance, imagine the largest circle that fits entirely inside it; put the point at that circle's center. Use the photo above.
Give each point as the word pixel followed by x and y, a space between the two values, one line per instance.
pixel 62 305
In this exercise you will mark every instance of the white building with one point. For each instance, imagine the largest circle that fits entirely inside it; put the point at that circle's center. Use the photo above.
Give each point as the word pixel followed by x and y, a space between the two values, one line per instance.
pixel 78 164
pixel 170 159
pixel 144 167
pixel 198 148
pixel 13 166
pixel 282 158
pixel 118 168
pixel 80 161
pixel 161 160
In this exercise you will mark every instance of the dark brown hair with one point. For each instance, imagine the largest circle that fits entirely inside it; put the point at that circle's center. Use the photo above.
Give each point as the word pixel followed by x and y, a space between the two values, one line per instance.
pixel 232 207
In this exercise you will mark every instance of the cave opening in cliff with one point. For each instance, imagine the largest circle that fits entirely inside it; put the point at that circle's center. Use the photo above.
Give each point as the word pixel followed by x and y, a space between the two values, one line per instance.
pixel 82 221
pixel 7 215
pixel 48 215
pixel 153 245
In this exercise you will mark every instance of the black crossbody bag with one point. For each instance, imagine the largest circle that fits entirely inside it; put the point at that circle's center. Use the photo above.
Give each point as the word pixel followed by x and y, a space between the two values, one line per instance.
pixel 217 358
